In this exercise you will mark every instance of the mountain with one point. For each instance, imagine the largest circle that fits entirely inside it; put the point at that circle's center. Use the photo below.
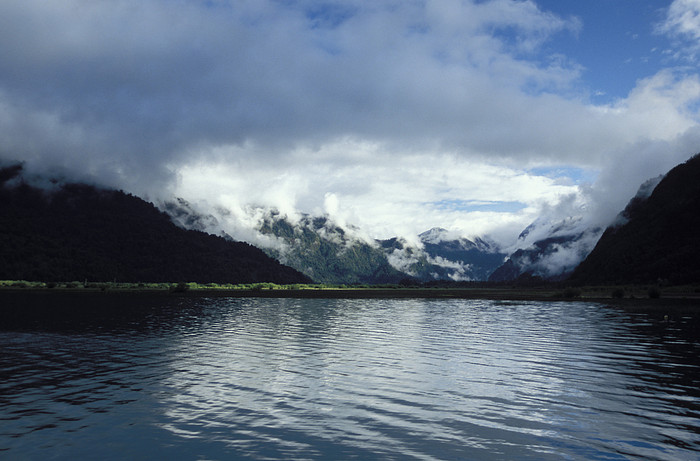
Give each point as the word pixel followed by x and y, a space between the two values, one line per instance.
pixel 80 232
pixel 326 252
pixel 655 239
pixel 313 245
pixel 442 255
pixel 558 247
pixel 330 253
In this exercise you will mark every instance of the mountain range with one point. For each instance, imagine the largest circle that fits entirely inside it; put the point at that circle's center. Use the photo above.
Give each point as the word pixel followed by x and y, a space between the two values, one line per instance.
pixel 327 253
pixel 77 232
pixel 550 250
pixel 330 253
pixel 441 255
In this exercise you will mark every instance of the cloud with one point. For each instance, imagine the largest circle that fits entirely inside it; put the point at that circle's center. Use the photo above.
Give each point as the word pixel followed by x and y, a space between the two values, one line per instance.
pixel 388 195
pixel 148 82
pixel 682 22
pixel 684 17
pixel 373 112
pixel 565 257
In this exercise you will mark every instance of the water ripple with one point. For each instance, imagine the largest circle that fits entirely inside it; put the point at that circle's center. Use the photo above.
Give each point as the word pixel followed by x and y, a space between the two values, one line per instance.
pixel 191 378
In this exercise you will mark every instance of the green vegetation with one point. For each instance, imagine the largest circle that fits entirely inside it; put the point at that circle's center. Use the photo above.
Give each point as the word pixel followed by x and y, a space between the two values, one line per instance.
pixel 180 287
pixel 635 293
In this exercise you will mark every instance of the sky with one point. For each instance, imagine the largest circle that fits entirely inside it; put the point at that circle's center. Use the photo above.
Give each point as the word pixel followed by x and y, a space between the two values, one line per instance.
pixel 394 116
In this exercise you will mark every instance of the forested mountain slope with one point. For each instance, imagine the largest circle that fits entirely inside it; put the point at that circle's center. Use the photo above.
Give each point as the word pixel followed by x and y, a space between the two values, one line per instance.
pixel 79 232
pixel 327 253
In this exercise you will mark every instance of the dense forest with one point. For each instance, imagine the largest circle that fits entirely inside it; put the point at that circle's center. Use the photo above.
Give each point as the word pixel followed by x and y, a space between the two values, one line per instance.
pixel 658 239
pixel 79 232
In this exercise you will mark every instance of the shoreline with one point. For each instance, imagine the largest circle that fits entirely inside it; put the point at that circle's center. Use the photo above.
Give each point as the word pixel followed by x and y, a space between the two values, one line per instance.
pixel 586 294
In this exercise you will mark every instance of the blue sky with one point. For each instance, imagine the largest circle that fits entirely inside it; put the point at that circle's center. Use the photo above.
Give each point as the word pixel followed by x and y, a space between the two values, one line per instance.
pixel 377 113
pixel 617 43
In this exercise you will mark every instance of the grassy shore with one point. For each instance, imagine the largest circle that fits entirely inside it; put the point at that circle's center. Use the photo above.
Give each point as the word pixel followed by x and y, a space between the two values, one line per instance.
pixel 607 294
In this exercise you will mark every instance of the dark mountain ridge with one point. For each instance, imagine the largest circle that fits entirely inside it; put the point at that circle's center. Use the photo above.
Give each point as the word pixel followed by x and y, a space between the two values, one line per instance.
pixel 81 232
pixel 656 239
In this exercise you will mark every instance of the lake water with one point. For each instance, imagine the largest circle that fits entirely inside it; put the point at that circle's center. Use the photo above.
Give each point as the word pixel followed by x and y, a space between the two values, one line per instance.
pixel 165 377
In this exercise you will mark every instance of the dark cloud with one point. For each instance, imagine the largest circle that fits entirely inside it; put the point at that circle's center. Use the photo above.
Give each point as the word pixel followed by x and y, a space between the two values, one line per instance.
pixel 148 82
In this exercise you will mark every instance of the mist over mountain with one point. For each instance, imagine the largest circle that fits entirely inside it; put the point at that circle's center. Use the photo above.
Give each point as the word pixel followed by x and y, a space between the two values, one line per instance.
pixel 77 232
pixel 314 245
pixel 329 252
pixel 655 239
pixel 549 250
pixel 442 255
pixel 476 116
pixel 54 230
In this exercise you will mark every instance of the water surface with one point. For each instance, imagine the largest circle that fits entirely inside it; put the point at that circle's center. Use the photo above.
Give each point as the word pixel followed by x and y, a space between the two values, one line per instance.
pixel 143 377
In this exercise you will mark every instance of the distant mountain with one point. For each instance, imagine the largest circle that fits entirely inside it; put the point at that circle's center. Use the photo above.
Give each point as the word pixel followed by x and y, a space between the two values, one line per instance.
pixel 326 252
pixel 79 232
pixel 558 247
pixel 444 256
pixel 655 239
pixel 330 253
pixel 313 245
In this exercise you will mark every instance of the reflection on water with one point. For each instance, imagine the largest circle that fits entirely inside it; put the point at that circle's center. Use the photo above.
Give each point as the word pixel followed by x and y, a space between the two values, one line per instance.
pixel 187 378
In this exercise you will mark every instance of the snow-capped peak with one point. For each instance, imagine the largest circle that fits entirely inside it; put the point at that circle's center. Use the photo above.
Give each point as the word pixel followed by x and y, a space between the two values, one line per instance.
pixel 436 235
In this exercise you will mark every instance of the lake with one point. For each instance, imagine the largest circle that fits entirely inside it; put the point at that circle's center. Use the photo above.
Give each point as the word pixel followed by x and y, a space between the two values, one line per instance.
pixel 165 377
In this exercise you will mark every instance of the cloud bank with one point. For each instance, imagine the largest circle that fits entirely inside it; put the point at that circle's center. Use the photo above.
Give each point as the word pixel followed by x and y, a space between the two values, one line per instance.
pixel 396 116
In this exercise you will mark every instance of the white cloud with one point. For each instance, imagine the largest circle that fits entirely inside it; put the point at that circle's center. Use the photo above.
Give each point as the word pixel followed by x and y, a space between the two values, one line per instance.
pixel 388 196
pixel 682 22
pixel 374 112
pixel 683 18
